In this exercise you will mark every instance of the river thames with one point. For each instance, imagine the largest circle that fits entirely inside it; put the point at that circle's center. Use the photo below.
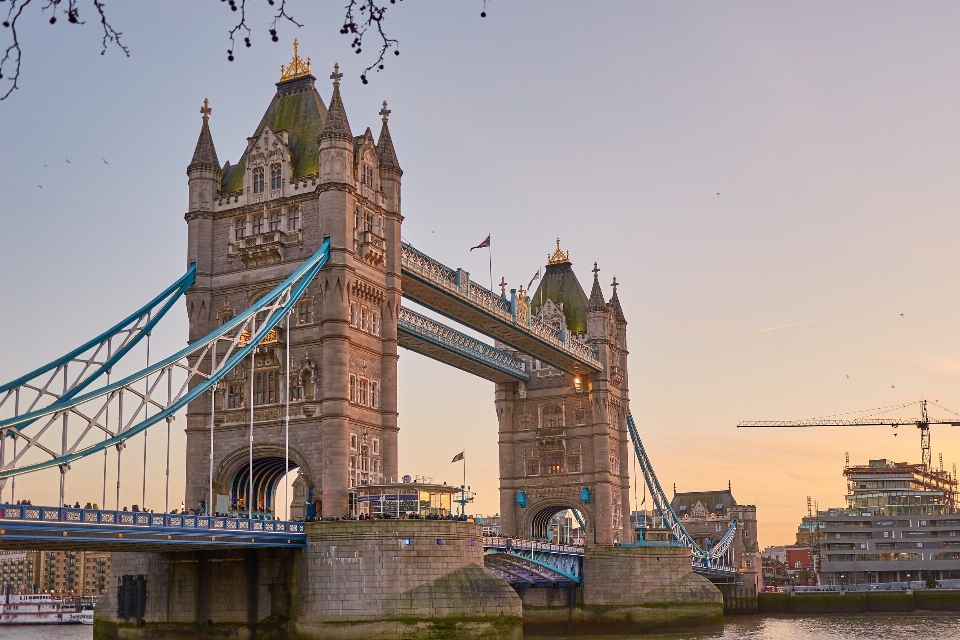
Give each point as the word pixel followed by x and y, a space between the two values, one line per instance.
pixel 744 628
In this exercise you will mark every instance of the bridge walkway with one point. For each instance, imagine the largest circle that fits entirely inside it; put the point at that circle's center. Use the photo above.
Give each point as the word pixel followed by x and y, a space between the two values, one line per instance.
pixel 451 293
pixel 56 528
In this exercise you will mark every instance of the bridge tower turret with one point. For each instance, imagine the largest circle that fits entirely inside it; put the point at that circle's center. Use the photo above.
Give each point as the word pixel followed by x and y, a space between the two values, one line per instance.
pixel 302 178
pixel 563 434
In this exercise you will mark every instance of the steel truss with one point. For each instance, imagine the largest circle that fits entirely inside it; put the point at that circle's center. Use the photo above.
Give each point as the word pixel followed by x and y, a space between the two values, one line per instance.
pixel 714 560
pixel 240 335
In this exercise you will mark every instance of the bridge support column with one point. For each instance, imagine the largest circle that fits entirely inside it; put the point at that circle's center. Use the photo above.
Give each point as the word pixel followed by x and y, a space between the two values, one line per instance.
pixel 389 579
pixel 629 590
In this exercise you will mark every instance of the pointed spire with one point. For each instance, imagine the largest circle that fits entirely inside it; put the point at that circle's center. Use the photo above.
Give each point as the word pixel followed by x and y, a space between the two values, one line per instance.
pixel 386 154
pixel 205 155
pixel 596 302
pixel 615 304
pixel 336 125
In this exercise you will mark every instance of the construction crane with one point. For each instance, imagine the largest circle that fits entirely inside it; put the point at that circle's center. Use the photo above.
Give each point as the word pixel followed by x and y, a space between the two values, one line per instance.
pixel 923 424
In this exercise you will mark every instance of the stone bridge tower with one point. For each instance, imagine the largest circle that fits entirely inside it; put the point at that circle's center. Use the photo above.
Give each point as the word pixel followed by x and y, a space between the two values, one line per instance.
pixel 564 442
pixel 302 177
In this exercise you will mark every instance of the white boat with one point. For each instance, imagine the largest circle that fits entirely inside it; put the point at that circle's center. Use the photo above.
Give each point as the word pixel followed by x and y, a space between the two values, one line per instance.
pixel 37 608
pixel 84 617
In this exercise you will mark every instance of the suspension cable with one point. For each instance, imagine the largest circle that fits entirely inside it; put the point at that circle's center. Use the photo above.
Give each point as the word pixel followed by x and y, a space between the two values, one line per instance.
pixel 166 495
pixel 120 445
pixel 63 441
pixel 146 409
pixel 213 409
pixel 253 364
pixel 103 501
pixel 286 442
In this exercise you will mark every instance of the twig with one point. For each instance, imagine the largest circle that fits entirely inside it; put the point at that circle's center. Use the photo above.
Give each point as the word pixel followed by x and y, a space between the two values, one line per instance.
pixel 374 15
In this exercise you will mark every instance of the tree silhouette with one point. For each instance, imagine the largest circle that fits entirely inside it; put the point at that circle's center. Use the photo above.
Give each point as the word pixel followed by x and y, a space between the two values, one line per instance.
pixel 360 18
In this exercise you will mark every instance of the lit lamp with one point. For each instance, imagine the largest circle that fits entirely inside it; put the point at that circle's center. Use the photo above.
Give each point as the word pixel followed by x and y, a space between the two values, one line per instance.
pixel 577 384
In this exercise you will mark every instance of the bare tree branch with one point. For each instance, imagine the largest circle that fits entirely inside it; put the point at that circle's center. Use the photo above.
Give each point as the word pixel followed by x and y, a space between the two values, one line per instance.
pixel 371 14
pixel 13 53
pixel 242 24
pixel 13 14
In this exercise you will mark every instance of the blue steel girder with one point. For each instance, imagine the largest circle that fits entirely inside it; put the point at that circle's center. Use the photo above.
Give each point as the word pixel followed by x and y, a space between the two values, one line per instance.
pixel 451 293
pixel 436 340
pixel 92 359
pixel 241 336
pixel 704 560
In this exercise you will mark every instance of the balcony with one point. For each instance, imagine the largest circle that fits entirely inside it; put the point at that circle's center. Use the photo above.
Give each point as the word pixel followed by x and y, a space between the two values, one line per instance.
pixel 263 249
pixel 371 247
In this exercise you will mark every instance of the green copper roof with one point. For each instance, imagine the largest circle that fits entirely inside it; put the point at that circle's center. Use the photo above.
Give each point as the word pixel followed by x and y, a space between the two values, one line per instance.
pixel 298 109
pixel 560 284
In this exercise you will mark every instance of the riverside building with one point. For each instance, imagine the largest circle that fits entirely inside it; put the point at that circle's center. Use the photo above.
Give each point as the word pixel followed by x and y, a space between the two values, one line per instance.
pixel 899 525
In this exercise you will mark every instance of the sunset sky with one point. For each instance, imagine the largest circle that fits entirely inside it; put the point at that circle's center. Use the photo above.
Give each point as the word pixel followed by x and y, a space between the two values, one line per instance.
pixel 774 186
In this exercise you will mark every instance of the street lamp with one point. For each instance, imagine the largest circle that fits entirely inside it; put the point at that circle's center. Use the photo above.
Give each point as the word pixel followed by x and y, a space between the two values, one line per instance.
pixel 841 582
pixel 909 582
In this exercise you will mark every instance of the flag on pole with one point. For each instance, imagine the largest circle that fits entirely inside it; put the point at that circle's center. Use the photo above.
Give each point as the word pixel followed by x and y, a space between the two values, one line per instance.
pixel 535 277
pixel 458 457
pixel 485 243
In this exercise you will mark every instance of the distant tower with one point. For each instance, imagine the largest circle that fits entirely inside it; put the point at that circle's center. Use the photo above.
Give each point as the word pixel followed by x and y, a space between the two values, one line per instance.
pixel 302 177
pixel 563 435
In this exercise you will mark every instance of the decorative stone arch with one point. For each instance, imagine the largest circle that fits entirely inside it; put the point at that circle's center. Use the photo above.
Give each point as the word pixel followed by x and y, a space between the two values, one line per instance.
pixel 267 467
pixel 539 512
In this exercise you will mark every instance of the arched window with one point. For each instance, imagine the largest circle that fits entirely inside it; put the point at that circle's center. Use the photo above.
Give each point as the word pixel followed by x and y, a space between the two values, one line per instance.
pixel 235 396
pixel 275 221
pixel 257 225
pixel 266 387
pixel 275 180
pixel 293 219
pixel 258 180
pixel 239 228
pixel 552 417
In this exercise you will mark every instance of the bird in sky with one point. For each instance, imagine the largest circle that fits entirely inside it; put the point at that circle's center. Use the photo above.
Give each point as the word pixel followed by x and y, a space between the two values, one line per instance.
pixel 848 375
pixel 892 387
pixel 105 161
pixel 40 185
pixel 68 161
pixel 901 315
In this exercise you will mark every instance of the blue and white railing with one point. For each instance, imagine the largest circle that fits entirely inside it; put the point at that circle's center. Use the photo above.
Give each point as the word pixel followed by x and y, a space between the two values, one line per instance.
pixel 68 517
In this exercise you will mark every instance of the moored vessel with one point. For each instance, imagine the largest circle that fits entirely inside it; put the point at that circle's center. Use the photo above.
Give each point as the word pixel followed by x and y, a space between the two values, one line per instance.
pixel 38 608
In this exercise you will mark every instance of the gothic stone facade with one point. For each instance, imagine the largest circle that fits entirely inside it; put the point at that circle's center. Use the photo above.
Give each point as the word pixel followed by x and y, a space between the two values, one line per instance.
pixel 563 436
pixel 303 177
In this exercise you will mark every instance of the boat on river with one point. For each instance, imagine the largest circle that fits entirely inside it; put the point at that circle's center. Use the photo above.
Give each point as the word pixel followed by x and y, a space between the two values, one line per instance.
pixel 38 608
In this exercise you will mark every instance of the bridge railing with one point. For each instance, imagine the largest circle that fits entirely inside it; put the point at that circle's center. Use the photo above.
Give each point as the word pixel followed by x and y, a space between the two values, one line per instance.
pixel 143 520
pixel 457 282
pixel 512 544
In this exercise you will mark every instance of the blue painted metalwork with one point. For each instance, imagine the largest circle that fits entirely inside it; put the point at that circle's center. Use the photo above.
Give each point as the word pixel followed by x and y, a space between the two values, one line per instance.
pixel 585 495
pixel 420 326
pixel 565 561
pixel 58 525
pixel 276 305
pixel 704 561
pixel 92 369
pixel 583 525
pixel 522 499
pixel 436 275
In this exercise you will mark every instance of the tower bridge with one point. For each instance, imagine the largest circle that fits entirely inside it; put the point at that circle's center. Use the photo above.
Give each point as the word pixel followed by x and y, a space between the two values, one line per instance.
pixel 293 289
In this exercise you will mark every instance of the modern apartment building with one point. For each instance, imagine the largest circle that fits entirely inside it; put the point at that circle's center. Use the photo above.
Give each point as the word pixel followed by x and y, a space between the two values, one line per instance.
pixel 900 524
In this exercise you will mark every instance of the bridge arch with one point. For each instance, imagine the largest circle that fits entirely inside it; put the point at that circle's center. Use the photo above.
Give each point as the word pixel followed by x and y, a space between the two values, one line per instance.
pixel 537 516
pixel 233 474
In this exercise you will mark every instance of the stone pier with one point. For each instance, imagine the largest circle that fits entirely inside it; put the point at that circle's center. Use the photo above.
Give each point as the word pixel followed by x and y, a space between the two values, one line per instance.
pixel 392 579
pixel 628 590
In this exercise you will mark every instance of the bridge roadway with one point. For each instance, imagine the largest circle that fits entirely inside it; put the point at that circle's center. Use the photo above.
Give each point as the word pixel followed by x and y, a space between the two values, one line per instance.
pixel 451 293
pixel 519 562
pixel 49 528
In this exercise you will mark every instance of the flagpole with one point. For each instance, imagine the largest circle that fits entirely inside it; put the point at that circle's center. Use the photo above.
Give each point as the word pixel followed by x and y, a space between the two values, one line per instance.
pixel 490 254
pixel 463 489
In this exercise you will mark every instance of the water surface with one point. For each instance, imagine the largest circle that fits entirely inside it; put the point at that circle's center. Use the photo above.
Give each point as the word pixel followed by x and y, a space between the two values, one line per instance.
pixel 741 628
